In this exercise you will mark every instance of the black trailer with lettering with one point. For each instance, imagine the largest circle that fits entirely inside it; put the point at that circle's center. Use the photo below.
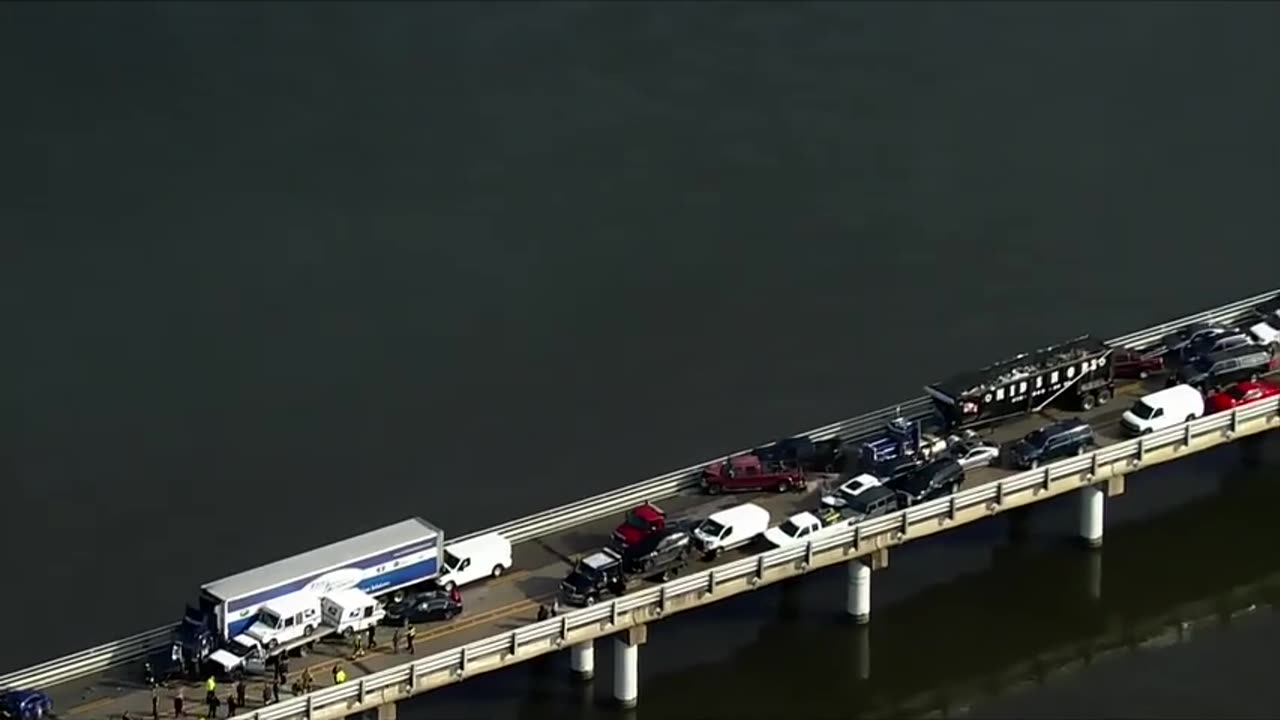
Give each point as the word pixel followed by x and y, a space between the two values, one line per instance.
pixel 1076 374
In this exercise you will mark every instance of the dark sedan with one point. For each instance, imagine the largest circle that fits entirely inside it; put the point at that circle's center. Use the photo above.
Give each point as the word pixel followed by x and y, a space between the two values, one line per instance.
pixel 428 606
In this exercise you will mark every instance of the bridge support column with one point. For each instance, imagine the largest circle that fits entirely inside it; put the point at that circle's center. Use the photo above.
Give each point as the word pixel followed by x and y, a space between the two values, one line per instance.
pixel 862 651
pixel 387 712
pixel 1092 500
pixel 858 599
pixel 626 665
pixel 582 660
pixel 1094 571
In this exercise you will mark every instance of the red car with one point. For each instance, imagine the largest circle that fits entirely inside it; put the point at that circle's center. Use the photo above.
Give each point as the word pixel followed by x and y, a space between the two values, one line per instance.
pixel 1242 393
pixel 749 472
pixel 1136 364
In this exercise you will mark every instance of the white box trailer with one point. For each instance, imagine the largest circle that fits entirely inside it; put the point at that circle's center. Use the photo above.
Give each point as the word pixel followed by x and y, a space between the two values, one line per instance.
pixel 378 562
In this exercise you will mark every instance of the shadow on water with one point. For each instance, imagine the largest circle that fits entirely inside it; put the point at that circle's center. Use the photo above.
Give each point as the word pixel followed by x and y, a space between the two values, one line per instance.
pixel 1030 616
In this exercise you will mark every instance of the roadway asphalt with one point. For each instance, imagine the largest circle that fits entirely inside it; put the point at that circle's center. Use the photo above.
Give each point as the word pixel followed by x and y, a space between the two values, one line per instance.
pixel 513 600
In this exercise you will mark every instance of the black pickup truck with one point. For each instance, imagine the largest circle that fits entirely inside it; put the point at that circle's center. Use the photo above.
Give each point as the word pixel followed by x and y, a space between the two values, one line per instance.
pixel 660 555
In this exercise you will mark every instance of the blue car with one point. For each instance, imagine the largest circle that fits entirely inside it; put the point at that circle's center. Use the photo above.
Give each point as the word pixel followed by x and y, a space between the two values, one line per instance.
pixel 25 705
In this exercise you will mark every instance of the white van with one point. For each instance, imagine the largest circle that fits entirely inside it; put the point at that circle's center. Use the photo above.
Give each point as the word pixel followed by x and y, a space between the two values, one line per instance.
pixel 1163 409
pixel 728 529
pixel 488 555
pixel 351 611
pixel 285 619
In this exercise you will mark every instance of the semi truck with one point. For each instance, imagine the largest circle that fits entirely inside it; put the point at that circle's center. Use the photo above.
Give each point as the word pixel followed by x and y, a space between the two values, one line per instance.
pixel 382 562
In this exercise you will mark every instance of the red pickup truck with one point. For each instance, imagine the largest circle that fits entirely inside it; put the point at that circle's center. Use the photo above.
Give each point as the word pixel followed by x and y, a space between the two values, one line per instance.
pixel 748 472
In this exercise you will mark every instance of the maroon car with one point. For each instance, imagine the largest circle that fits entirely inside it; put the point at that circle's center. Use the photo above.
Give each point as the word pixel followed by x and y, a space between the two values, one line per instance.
pixel 1137 364
pixel 748 472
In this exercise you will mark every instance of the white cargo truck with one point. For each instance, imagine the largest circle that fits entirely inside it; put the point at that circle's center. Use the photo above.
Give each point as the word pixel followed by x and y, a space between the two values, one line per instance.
pixel 296 622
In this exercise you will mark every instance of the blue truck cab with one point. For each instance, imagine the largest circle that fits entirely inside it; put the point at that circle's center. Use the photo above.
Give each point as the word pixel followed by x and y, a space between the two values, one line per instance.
pixel 381 562
pixel 25 705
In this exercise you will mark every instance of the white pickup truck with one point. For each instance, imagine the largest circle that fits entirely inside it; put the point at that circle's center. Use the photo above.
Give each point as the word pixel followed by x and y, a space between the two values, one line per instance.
pixel 297 622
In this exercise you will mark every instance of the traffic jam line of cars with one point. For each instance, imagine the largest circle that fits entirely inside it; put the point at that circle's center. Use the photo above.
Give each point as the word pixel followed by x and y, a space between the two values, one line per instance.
pixel 406 573
pixel 1209 368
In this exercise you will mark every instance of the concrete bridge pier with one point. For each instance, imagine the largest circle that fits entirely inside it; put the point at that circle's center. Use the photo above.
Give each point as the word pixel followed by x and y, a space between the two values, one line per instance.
pixel 862 651
pixel 382 712
pixel 626 665
pixel 1094 575
pixel 1092 501
pixel 858 600
pixel 582 660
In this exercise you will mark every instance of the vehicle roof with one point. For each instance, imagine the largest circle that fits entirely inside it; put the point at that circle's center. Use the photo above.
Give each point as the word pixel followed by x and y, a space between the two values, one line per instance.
pixel 1021 366
pixel 332 556
pixel 648 511
pixel 1168 393
pixel 872 494
pixel 802 519
pixel 859 483
pixel 740 512
pixel 600 559
pixel 350 597
pixel 480 542
pixel 1237 352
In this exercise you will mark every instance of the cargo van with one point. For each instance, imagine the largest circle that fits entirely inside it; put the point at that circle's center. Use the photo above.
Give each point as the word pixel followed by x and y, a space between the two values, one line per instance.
pixel 466 561
pixel 731 528
pixel 1164 409
pixel 351 611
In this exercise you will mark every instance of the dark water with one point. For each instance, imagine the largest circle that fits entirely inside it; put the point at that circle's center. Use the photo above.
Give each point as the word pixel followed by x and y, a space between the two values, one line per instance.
pixel 275 274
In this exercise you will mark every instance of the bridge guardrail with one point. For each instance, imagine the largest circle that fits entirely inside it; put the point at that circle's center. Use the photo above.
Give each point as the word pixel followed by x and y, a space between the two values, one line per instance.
pixel 604 618
pixel 554 520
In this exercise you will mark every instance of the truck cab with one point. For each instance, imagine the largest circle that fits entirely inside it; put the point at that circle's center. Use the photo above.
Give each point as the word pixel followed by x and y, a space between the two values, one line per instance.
pixel 640 522
pixel 592 576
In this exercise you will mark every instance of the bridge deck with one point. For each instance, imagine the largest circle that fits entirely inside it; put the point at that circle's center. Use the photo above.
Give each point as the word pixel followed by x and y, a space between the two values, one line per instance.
pixel 513 600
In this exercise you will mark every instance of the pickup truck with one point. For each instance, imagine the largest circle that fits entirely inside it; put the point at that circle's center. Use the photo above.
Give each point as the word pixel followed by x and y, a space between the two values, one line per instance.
pixel 640 522
pixel 805 453
pixel 747 473
pixel 661 556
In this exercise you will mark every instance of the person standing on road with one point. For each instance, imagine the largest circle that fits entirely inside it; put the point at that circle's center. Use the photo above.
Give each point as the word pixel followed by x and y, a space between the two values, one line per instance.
pixel 408 638
pixel 232 705
pixel 178 700
pixel 308 681
pixel 210 687
pixel 214 702
pixel 241 690
pixel 372 640
pixel 395 642
pixel 155 702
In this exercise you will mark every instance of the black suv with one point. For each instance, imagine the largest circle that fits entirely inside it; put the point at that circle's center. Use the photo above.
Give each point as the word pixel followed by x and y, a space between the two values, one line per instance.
pixel 592 576
pixel 660 555
pixel 931 481
pixel 870 503
pixel 1052 442
pixel 893 469
pixel 1223 368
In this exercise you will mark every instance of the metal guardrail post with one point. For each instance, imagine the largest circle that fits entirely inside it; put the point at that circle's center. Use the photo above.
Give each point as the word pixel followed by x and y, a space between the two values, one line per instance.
pixel 360 692
pixel 759 568
pixel 906 524
pixel 808 555
pixel 462 659
pixel 311 707
pixel 1235 420
pixel 1142 449
pixel 857 536
pixel 1186 436
pixel 951 508
pixel 413 675
pixel 613 613
pixel 662 599
pixel 515 641
pixel 1093 465
pixel 564 628
pixel 711 583
pixel 1047 478
pixel 999 493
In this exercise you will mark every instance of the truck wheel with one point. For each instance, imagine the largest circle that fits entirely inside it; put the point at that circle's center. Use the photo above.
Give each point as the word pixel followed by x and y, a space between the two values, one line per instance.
pixel 1086 402
pixel 783 486
pixel 1104 396
pixel 497 571
pixel 1144 374
pixel 348 632
pixel 308 629
pixel 713 489
pixel 449 586
pixel 591 599
pixel 670 574
pixel 273 644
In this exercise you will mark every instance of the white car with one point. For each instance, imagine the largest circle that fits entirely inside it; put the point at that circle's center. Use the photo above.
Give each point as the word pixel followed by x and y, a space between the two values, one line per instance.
pixel 850 489
pixel 975 453
pixel 798 528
